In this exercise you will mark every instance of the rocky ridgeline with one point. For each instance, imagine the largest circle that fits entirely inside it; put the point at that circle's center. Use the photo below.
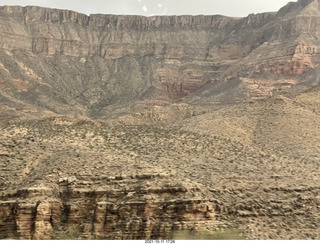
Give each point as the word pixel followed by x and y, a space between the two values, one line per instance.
pixel 108 36
pixel 130 207
pixel 165 58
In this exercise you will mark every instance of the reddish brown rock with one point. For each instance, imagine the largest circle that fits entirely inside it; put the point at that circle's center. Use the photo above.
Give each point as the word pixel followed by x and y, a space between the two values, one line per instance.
pixel 120 59
pixel 293 67
pixel 122 209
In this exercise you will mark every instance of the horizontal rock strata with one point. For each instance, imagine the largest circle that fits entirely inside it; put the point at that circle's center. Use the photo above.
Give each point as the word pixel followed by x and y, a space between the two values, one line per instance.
pixel 123 209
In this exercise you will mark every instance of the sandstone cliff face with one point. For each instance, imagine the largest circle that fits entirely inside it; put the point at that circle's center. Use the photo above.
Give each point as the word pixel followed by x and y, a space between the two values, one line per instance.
pixel 99 64
pixel 122 209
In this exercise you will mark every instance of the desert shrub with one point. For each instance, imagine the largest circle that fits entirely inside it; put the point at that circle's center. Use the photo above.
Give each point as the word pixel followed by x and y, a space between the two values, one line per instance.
pixel 208 235
pixel 72 233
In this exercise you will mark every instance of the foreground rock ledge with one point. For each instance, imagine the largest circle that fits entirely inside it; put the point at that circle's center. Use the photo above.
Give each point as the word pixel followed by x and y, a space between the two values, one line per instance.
pixel 124 208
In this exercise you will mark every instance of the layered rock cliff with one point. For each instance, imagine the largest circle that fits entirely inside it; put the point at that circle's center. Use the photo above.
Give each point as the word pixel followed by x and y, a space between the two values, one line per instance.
pixel 123 207
pixel 98 65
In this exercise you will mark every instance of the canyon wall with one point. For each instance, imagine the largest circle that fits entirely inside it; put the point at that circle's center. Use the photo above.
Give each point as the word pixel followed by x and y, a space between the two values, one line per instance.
pixel 123 208
pixel 99 65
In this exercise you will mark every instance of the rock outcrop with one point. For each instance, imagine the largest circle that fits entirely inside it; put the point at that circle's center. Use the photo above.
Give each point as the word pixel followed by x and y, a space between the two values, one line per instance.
pixel 126 207
pixel 121 60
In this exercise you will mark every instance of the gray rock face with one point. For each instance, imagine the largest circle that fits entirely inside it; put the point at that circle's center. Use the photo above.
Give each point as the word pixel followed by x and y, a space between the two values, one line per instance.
pixel 105 65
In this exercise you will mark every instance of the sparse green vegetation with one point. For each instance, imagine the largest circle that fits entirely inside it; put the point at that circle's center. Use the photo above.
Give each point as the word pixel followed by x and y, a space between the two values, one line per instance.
pixel 247 181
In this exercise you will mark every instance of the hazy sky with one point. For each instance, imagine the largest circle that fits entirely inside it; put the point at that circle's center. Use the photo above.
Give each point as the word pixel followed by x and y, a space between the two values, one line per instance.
pixel 237 8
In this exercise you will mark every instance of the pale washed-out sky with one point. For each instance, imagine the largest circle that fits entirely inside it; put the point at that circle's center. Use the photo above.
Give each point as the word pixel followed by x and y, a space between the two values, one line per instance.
pixel 236 8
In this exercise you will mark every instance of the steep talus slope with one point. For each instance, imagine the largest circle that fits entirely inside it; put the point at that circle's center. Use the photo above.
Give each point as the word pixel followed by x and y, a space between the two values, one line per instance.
pixel 99 65
pixel 284 50
pixel 93 62
pixel 279 124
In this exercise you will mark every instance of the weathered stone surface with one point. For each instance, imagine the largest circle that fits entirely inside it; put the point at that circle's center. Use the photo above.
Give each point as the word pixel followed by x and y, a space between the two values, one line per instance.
pixel 165 58
pixel 8 225
pixel 122 209
pixel 28 220
pixel 139 220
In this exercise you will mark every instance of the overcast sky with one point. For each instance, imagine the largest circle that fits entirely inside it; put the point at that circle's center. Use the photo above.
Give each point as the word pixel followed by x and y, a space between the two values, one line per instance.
pixel 236 8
